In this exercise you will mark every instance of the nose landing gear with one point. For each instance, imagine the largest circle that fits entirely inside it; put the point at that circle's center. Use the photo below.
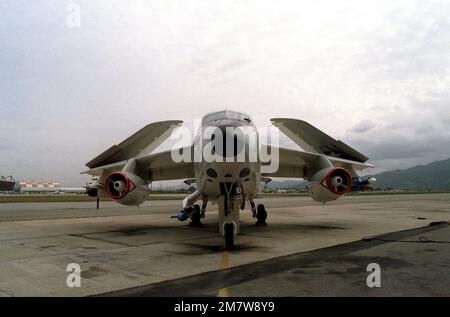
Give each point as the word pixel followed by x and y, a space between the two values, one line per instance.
pixel 229 203
pixel 229 213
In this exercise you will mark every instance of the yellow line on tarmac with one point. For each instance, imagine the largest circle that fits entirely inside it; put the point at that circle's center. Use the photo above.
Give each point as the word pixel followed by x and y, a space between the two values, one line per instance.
pixel 224 264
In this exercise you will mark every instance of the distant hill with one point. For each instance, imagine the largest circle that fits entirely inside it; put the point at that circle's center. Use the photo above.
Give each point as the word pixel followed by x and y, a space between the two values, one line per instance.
pixel 433 176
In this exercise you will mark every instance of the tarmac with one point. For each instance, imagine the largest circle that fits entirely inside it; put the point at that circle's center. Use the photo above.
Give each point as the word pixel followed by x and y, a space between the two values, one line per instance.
pixel 306 250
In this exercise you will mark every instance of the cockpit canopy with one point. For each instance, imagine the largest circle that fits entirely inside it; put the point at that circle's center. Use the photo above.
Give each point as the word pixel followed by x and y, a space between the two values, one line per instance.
pixel 226 114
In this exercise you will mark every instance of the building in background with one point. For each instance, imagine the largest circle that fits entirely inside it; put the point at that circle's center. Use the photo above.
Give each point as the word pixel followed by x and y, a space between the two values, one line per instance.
pixel 31 187
pixel 37 187
pixel 7 183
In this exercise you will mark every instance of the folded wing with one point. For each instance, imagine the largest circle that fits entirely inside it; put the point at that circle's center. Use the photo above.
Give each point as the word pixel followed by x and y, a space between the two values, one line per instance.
pixel 140 143
pixel 150 167
pixel 312 140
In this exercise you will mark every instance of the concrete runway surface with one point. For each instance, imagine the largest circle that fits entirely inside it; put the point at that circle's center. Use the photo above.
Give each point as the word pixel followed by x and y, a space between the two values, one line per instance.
pixel 307 249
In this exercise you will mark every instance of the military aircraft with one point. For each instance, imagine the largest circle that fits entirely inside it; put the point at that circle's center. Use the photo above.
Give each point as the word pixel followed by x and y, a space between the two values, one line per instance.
pixel 227 162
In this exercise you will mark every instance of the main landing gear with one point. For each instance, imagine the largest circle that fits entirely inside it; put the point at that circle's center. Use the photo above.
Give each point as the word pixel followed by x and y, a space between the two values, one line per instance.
pixel 196 217
pixel 261 215
pixel 194 213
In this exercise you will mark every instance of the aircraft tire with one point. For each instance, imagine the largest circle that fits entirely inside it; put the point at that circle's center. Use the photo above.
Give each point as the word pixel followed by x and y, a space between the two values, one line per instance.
pixel 196 216
pixel 261 215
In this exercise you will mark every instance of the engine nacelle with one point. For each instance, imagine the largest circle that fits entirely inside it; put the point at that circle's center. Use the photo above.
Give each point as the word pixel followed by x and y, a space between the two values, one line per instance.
pixel 126 188
pixel 329 184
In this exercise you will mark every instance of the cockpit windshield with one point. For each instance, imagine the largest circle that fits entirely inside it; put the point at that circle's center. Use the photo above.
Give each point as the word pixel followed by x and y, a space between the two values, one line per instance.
pixel 226 115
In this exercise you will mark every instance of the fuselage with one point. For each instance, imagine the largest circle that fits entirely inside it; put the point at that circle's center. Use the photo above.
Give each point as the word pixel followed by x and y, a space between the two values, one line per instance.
pixel 227 141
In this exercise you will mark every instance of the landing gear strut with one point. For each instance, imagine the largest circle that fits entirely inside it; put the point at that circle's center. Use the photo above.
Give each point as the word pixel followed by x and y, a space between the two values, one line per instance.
pixel 229 213
pixel 253 206
pixel 204 204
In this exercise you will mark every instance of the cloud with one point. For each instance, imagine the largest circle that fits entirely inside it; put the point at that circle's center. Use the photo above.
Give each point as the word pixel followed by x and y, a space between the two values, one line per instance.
pixel 363 126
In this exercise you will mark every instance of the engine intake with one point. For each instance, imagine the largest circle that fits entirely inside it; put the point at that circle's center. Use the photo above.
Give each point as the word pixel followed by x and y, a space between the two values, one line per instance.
pixel 126 188
pixel 329 184
pixel 338 181
pixel 118 185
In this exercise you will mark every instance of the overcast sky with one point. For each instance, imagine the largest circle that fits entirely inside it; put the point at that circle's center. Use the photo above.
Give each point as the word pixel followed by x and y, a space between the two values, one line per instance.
pixel 375 74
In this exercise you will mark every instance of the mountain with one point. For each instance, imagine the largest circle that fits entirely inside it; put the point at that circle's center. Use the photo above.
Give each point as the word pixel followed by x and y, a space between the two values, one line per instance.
pixel 433 176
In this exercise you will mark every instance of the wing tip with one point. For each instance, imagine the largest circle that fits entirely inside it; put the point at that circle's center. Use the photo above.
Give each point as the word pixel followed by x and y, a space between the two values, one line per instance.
pixel 170 122
pixel 287 119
